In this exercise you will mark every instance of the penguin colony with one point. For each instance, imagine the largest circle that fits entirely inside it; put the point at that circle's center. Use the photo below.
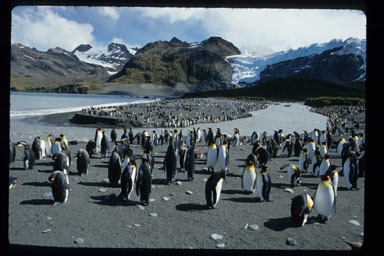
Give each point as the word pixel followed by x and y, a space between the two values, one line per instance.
pixel 132 171
pixel 178 113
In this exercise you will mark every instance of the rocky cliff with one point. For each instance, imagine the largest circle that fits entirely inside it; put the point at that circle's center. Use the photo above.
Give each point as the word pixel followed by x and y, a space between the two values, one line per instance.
pixel 327 66
pixel 201 64
pixel 37 68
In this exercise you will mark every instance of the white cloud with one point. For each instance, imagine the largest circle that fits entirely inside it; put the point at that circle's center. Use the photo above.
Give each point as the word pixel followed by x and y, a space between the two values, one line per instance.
pixel 43 28
pixel 279 29
pixel 173 14
pixel 110 12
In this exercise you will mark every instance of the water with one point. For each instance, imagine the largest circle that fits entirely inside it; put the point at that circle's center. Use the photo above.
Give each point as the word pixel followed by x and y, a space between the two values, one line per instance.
pixel 25 104
pixel 297 117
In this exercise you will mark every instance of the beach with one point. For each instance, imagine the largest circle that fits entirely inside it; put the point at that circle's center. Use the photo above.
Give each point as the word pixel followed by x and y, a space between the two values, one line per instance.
pixel 176 217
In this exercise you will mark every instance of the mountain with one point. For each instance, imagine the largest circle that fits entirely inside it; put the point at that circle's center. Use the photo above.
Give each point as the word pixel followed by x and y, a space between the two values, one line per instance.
pixel 247 67
pixel 328 65
pixel 202 64
pixel 112 56
pixel 36 68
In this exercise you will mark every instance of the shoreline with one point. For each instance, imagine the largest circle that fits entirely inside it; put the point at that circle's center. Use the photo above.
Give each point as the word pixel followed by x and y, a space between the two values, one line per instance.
pixel 219 111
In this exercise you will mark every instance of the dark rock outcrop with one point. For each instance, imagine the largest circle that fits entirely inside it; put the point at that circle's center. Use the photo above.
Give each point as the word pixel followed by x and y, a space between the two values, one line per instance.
pixel 51 67
pixel 168 63
pixel 326 66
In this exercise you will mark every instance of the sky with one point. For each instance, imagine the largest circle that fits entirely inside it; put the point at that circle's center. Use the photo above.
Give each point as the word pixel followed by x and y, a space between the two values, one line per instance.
pixel 273 30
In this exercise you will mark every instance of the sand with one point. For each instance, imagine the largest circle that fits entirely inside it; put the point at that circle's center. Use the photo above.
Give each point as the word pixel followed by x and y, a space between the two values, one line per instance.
pixel 93 214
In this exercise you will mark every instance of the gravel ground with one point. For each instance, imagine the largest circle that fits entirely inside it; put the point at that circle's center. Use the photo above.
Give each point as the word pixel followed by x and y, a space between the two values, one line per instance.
pixel 94 218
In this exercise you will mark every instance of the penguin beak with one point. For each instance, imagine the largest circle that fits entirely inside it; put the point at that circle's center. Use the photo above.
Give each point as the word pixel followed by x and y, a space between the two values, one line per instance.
pixel 52 179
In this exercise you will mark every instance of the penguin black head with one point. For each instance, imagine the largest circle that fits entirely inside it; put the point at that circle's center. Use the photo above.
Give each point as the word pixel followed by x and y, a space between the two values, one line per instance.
pixel 222 174
pixel 326 157
pixel 144 161
pixel 325 177
pixel 250 162
pixel 264 168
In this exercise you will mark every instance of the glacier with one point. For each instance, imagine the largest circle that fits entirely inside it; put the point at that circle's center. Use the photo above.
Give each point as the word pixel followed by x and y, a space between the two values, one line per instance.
pixel 248 66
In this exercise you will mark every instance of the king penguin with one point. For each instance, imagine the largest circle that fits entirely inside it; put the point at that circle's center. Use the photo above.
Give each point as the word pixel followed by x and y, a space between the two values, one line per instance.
pixel 350 171
pixel 248 180
pixel 325 164
pixel 83 162
pixel 61 162
pixel 340 147
pixel 263 184
pixel 56 146
pixel 213 188
pixel 144 183
pixel 262 155
pixel 104 144
pixel 325 200
pixel 114 168
pixel 60 187
pixel 98 137
pixel 334 176
pixel 113 135
pixel 150 159
pixel 128 178
pixel 294 175
pixel 38 147
pixel 212 157
pixel 48 145
pixel 316 161
pixel 323 148
pixel 311 146
pixel 222 158
pixel 91 148
pixel 301 207
pixel 29 158
pixel 189 163
pixel 170 162
pixel 303 160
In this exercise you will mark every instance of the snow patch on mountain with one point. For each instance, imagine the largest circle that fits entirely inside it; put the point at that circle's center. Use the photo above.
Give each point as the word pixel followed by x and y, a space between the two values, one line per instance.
pixel 248 66
pixel 112 56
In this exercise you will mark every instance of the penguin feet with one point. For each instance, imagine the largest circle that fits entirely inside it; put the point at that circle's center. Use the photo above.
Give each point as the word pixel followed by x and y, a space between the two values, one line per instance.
pixel 145 203
pixel 322 219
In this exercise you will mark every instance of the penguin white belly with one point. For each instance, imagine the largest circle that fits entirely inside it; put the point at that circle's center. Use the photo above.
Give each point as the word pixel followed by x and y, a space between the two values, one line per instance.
pixel 323 150
pixel 133 176
pixel 324 167
pixel 43 148
pixel 98 141
pixel 48 148
pixel 222 157
pixel 347 171
pixel 259 186
pixel 211 158
pixel 339 149
pixel 249 179
pixel 335 181
pixel 56 148
pixel 218 191
pixel 325 199
pixel 66 195
pixel 26 164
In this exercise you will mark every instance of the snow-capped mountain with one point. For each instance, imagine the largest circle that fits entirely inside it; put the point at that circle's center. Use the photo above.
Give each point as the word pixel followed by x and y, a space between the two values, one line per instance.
pixel 112 56
pixel 247 67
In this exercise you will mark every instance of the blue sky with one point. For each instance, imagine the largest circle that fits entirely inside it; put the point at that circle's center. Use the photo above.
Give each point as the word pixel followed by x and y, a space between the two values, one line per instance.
pixel 45 27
